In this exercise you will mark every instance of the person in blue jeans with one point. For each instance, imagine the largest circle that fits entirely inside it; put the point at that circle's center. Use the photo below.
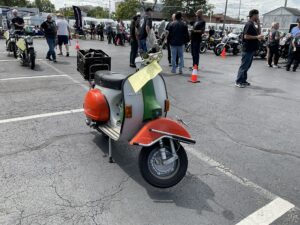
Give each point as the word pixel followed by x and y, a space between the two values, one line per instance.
pixel 49 28
pixel 146 26
pixel 178 36
pixel 251 37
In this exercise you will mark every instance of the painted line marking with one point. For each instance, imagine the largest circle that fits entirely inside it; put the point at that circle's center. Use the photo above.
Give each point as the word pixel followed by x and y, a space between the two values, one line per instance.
pixel 16 60
pixel 17 119
pixel 268 214
pixel 34 77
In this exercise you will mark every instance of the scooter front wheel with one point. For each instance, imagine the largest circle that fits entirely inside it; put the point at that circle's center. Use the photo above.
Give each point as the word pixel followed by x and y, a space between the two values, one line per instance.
pixel 156 173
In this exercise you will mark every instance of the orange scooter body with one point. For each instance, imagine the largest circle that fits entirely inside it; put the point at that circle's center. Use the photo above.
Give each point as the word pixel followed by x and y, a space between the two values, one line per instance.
pixel 95 106
pixel 157 129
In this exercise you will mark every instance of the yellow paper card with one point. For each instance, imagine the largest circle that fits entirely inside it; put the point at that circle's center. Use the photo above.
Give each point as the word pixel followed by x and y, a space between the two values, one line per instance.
pixel 21 44
pixel 140 78
pixel 6 35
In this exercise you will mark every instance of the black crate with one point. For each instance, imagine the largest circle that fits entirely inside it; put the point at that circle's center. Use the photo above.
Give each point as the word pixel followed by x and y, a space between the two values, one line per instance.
pixel 90 61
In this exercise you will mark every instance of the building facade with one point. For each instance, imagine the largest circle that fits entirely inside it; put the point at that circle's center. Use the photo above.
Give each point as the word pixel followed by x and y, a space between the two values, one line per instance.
pixel 285 16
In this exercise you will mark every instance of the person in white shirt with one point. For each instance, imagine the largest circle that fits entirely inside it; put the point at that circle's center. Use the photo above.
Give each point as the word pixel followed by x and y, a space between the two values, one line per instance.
pixel 63 34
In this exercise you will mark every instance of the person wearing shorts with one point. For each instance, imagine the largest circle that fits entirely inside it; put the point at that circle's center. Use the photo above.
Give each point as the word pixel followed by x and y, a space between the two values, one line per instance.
pixel 63 34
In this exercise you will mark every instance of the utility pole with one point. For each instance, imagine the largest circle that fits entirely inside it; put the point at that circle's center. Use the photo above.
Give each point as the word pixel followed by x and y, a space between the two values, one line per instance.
pixel 224 21
pixel 285 4
pixel 109 16
pixel 240 10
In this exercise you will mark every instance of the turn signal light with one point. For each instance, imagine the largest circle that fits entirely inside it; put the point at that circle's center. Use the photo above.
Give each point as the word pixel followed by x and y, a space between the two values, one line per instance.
pixel 167 105
pixel 128 111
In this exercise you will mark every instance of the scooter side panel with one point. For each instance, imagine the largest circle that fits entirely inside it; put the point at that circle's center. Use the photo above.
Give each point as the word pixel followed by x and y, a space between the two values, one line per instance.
pixel 161 92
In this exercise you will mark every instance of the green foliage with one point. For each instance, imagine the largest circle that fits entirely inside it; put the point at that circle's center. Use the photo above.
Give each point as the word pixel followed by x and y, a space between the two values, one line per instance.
pixel 171 6
pixel 19 3
pixel 98 12
pixel 127 9
pixel 43 5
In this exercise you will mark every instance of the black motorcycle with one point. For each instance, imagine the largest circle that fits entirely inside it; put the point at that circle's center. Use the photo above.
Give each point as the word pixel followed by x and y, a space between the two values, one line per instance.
pixel 11 42
pixel 231 43
pixel 25 51
pixel 284 47
pixel 203 45
pixel 262 51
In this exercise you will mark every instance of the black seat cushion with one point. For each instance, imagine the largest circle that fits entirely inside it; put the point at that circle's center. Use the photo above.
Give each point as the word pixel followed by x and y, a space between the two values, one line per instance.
pixel 109 79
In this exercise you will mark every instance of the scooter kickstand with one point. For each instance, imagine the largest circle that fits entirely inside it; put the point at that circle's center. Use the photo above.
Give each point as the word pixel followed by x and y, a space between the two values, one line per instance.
pixel 110 159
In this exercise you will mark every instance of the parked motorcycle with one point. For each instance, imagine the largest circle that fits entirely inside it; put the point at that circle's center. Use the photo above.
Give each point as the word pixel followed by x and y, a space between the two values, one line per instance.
pixel 262 51
pixel 284 46
pixel 25 51
pixel 10 38
pixel 134 109
pixel 203 46
pixel 231 43
pixel 212 42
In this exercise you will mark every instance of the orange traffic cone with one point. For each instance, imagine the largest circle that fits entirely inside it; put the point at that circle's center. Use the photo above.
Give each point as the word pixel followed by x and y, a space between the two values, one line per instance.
pixel 223 54
pixel 77 45
pixel 194 77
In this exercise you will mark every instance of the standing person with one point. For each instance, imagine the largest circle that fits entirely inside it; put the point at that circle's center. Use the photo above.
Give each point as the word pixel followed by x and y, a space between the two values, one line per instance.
pixel 133 41
pixel 17 23
pixel 196 37
pixel 295 55
pixel 92 27
pixel 168 42
pixel 146 26
pixel 49 28
pixel 63 34
pixel 179 36
pixel 251 37
pixel 296 30
pixel 109 33
pixel 274 39
pixel 101 31
pixel 119 38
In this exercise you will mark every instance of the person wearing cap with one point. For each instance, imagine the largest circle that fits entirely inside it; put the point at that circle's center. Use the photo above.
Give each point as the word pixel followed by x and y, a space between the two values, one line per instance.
pixel 63 34
pixel 49 28
pixel 17 23
pixel 146 26
pixel 196 37
pixel 134 40
pixel 251 38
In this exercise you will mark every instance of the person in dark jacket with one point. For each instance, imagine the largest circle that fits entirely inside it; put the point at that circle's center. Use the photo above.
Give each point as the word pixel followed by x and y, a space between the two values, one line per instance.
pixel 179 36
pixel 196 37
pixel 274 38
pixel 168 42
pixel 49 28
pixel 251 38
pixel 134 40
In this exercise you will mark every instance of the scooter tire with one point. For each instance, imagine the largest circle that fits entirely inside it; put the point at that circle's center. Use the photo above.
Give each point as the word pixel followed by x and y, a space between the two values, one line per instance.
pixel 154 179
pixel 218 49
pixel 14 50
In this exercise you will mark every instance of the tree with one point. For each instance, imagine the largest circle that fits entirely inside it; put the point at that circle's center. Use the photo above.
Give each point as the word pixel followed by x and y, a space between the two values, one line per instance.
pixel 98 12
pixel 171 6
pixel 19 3
pixel 44 5
pixel 127 9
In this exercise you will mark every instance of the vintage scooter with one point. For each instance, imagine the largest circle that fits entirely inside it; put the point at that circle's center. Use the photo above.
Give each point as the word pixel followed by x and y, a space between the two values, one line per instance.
pixel 134 109
pixel 10 38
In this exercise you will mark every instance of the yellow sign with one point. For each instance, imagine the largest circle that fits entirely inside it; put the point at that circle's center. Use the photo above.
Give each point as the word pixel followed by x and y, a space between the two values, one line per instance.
pixel 6 35
pixel 21 44
pixel 140 78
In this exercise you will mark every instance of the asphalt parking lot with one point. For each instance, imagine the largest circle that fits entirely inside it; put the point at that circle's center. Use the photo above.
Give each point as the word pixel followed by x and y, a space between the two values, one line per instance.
pixel 244 169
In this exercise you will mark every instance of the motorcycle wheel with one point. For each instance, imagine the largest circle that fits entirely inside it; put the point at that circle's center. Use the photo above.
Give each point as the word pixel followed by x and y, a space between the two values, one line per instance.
pixel 14 50
pixel 218 49
pixel 32 59
pixel 157 174
pixel 203 49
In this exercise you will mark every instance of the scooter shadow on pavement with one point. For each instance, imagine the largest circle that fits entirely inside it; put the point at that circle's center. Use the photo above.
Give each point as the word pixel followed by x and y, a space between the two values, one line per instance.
pixel 190 193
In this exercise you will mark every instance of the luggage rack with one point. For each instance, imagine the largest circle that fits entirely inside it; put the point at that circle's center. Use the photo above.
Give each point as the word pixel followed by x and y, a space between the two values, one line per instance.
pixel 92 60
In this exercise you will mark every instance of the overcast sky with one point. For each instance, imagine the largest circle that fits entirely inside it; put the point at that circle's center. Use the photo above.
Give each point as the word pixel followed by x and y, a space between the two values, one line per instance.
pixel 233 5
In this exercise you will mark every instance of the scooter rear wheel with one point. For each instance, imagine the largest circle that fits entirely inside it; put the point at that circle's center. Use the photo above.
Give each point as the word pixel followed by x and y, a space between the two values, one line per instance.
pixel 157 174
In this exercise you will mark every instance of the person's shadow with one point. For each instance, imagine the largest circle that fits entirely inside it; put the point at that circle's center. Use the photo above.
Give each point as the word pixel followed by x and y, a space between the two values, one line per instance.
pixel 190 193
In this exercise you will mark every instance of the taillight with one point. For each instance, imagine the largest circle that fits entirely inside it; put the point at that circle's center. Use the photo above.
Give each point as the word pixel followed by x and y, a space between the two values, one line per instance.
pixel 128 111
pixel 167 105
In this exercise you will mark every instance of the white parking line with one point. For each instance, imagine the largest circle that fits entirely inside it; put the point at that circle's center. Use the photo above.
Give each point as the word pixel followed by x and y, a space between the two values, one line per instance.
pixel 34 77
pixel 268 214
pixel 17 119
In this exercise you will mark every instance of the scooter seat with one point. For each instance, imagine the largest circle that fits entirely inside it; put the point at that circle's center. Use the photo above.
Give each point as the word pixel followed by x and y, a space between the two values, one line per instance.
pixel 109 79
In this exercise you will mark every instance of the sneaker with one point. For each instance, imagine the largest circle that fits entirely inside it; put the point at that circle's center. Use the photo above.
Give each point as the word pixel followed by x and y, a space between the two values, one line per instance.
pixel 294 70
pixel 172 71
pixel 180 71
pixel 276 66
pixel 246 83
pixel 60 53
pixel 287 68
pixel 270 66
pixel 68 54
pixel 55 61
pixel 240 85
pixel 48 57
